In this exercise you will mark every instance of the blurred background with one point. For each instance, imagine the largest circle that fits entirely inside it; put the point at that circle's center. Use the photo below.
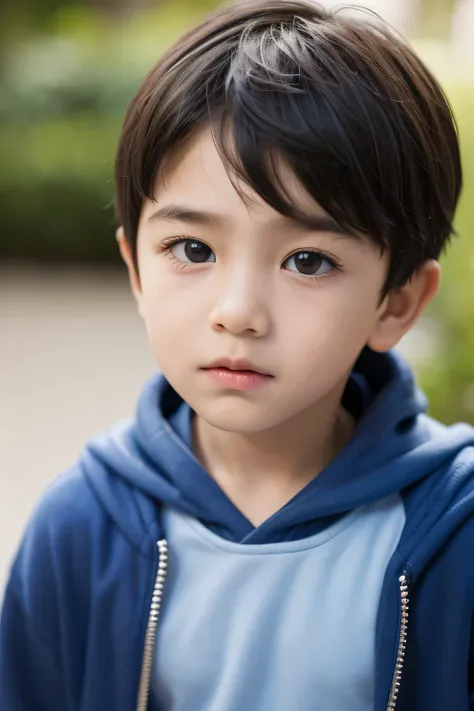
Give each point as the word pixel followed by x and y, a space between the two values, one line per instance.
pixel 73 354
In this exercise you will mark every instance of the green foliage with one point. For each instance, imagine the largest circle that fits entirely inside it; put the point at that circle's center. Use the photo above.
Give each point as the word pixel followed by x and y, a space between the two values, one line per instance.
pixel 56 190
pixel 85 63
pixel 447 375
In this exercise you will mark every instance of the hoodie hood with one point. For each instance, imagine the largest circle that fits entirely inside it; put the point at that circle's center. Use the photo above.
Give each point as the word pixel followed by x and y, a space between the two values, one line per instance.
pixel 143 463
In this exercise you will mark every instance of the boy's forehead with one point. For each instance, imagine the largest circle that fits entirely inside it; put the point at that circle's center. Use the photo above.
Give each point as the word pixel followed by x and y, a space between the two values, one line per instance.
pixel 195 171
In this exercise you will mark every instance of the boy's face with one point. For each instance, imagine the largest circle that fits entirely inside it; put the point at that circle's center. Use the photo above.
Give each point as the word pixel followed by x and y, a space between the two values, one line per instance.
pixel 246 285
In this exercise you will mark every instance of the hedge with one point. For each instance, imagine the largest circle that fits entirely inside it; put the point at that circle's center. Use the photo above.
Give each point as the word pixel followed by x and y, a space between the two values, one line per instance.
pixel 56 190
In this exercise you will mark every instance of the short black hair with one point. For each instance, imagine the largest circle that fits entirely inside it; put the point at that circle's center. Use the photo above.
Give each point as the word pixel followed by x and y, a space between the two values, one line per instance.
pixel 342 99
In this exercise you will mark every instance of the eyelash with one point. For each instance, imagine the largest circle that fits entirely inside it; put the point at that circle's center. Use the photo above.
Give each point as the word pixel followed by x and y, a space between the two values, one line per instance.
pixel 167 244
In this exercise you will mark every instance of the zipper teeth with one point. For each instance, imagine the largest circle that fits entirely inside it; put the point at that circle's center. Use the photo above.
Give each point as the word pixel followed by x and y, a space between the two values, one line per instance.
pixel 402 642
pixel 150 635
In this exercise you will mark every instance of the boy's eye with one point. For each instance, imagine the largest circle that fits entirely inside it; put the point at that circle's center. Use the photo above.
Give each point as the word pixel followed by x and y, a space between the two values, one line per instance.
pixel 308 263
pixel 305 262
pixel 192 251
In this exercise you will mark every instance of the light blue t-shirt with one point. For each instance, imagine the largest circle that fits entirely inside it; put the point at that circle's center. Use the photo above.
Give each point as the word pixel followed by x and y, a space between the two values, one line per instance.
pixel 284 626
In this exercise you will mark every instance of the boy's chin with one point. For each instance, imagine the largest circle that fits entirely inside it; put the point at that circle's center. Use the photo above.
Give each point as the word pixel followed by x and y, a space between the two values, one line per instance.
pixel 240 419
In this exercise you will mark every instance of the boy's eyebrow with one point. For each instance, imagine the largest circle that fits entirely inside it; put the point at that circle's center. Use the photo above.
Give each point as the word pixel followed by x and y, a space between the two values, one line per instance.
pixel 314 223
pixel 186 214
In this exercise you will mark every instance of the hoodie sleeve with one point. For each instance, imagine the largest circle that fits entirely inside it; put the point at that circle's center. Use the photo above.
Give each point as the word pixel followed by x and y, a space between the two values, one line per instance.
pixel 30 677
pixel 471 668
pixel 44 615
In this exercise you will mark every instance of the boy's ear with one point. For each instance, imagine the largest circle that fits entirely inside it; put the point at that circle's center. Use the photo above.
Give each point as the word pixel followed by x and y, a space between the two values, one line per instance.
pixel 127 257
pixel 402 307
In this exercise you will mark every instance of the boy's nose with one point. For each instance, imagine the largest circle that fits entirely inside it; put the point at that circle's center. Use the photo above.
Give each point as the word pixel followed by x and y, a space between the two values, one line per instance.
pixel 242 306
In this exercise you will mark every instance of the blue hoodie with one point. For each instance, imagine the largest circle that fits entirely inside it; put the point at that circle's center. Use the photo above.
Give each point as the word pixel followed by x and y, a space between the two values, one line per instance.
pixel 76 621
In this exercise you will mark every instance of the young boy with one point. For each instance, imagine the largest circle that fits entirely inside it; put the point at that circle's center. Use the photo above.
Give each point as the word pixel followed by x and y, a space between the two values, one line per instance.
pixel 281 526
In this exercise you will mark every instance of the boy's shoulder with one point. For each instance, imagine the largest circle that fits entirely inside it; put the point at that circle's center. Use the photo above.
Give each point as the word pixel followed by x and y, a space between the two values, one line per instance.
pixel 61 518
pixel 53 561
pixel 440 502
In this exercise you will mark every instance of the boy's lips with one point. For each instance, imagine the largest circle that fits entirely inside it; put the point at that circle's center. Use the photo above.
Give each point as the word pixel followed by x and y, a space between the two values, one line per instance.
pixel 240 365
pixel 238 374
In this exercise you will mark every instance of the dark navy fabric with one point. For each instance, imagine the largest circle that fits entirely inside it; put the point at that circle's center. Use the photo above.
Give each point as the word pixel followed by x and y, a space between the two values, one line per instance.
pixel 77 601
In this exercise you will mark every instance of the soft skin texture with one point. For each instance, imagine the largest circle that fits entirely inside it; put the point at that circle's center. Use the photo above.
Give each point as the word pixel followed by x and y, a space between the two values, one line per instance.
pixel 249 301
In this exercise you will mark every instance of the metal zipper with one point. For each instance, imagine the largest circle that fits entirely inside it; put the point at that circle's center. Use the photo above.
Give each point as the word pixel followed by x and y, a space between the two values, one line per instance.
pixel 402 643
pixel 150 635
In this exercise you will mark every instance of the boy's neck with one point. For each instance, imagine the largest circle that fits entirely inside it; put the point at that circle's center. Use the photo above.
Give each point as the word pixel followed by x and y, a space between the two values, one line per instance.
pixel 261 472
